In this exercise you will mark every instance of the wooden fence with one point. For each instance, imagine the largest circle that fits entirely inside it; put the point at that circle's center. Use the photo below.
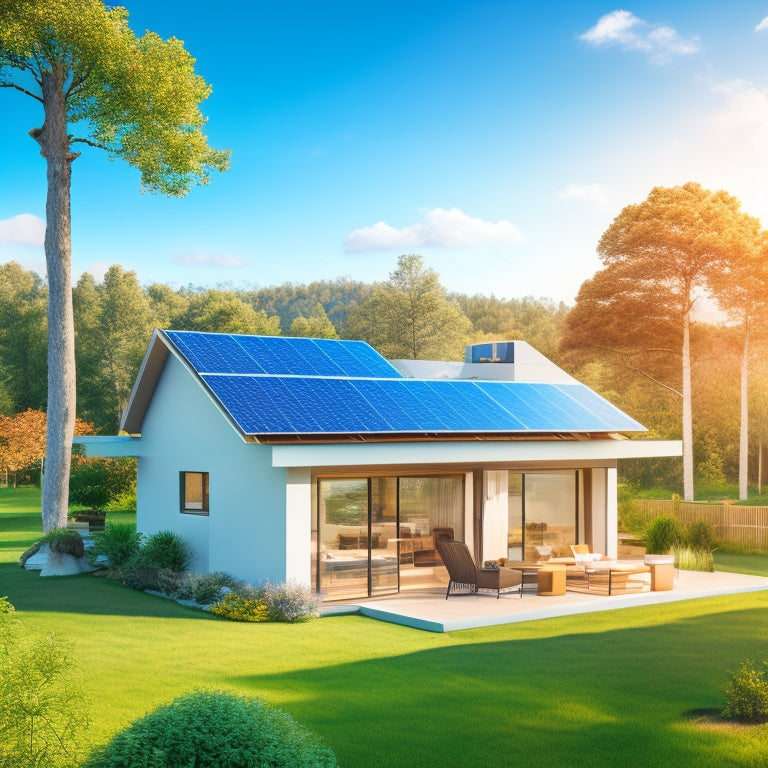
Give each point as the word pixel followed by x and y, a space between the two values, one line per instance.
pixel 732 524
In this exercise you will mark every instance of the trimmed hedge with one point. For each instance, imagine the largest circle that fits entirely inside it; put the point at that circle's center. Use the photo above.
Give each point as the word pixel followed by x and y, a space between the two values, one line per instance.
pixel 214 730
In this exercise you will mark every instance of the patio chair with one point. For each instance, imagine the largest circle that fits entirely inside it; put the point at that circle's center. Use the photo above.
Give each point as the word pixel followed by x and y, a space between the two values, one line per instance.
pixel 465 577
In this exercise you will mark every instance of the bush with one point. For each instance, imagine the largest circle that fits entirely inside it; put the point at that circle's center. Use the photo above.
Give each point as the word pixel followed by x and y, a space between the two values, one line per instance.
pixel 289 601
pixel 166 549
pixel 699 535
pixel 120 543
pixel 747 694
pixel 662 534
pixel 43 714
pixel 65 541
pixel 142 576
pixel 94 483
pixel 238 608
pixel 210 730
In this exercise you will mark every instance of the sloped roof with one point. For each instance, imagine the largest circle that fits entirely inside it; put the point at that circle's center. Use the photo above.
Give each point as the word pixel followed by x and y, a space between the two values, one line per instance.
pixel 277 388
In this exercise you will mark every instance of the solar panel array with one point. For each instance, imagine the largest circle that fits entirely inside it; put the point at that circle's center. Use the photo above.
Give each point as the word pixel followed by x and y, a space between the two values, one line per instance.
pixel 280 355
pixel 291 386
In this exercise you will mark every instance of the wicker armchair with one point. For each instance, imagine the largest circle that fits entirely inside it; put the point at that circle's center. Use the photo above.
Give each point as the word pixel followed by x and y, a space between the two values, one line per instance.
pixel 463 572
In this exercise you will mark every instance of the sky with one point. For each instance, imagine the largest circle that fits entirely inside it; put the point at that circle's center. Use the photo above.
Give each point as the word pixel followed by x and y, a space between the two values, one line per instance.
pixel 496 139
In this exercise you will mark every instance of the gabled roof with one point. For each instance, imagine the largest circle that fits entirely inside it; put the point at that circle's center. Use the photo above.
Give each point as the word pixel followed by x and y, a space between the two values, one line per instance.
pixel 275 389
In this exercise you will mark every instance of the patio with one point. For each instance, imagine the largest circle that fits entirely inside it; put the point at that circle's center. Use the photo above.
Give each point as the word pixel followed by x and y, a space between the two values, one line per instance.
pixel 429 610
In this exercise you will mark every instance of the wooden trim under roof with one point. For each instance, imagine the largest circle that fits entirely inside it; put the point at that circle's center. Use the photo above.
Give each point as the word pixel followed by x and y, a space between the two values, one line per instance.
pixel 149 374
pixel 415 437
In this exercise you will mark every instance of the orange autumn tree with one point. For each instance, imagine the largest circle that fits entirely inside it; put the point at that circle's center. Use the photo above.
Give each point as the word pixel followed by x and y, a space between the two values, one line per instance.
pixel 22 440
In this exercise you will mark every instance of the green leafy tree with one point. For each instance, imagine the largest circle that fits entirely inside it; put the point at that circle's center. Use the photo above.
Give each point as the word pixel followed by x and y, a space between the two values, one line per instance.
pixel 316 326
pixel 22 337
pixel 224 312
pixel 658 255
pixel 410 316
pixel 100 86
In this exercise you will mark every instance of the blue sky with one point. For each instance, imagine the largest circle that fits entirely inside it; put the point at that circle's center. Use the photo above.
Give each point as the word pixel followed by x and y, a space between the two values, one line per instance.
pixel 497 139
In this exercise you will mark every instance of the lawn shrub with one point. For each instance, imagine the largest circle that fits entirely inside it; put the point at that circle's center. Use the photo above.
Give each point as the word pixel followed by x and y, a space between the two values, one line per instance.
pixel 66 541
pixel 662 534
pixel 166 549
pixel 43 715
pixel 238 608
pixel 120 543
pixel 289 601
pixel 142 576
pixel 206 588
pixel 211 730
pixel 747 694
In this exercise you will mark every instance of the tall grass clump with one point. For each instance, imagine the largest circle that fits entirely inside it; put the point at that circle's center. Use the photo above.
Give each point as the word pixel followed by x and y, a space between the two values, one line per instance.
pixel 167 550
pixel 119 543
pixel 213 729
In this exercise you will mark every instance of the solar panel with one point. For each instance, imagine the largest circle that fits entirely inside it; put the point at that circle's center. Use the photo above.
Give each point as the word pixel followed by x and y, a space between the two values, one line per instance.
pixel 280 355
pixel 309 405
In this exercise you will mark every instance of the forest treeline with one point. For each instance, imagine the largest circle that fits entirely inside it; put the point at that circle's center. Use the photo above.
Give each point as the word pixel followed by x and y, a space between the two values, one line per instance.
pixel 410 315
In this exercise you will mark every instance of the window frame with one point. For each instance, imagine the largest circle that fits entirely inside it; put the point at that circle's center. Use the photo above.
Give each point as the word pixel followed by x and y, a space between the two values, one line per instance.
pixel 185 507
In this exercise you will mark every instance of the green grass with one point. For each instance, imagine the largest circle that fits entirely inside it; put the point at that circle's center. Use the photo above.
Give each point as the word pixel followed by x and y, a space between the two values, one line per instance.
pixel 597 690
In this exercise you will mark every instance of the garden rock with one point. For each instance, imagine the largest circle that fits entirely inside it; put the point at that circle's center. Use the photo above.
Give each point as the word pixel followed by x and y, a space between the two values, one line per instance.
pixel 63 564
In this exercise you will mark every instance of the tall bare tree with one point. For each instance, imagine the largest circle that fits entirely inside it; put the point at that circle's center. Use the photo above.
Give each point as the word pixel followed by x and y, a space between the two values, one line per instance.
pixel 99 86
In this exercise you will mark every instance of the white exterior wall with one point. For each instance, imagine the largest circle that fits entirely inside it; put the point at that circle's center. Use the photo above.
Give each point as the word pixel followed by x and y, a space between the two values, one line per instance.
pixel 495 514
pixel 604 512
pixel 245 531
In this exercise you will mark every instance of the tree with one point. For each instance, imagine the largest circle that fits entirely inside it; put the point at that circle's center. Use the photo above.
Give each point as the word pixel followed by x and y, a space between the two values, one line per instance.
pixel 410 317
pixel 223 312
pixel 22 337
pixel 741 290
pixel 135 97
pixel 316 326
pixel 22 440
pixel 659 255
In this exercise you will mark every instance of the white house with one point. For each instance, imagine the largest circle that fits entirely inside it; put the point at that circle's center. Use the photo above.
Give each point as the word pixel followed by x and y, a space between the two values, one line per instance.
pixel 319 461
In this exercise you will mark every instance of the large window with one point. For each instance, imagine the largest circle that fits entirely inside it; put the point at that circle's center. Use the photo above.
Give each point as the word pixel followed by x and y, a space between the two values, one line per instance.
pixel 193 492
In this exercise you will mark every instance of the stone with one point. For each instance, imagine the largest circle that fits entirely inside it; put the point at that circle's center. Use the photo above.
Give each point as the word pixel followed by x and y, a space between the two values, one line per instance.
pixel 62 564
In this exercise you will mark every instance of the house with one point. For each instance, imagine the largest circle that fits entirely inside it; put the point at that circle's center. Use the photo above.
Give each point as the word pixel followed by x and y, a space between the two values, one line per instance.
pixel 319 461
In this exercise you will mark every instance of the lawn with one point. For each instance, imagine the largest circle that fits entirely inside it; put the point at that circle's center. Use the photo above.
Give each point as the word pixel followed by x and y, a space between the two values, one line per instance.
pixel 616 688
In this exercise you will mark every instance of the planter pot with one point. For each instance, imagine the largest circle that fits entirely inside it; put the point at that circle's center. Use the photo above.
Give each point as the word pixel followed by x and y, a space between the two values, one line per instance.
pixel 662 571
pixel 95 520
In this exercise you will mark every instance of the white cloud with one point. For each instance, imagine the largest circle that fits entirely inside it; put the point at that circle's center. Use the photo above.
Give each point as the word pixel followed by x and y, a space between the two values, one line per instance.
pixel 209 260
pixel 743 120
pixel 25 229
pixel 439 228
pixel 594 195
pixel 659 41
pixel 763 25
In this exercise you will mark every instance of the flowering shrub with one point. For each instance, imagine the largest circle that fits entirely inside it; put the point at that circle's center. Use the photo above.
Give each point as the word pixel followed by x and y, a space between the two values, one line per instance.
pixel 238 608
pixel 289 601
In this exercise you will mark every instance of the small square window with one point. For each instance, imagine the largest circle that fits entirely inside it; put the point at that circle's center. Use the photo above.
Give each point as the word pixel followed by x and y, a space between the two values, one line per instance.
pixel 194 492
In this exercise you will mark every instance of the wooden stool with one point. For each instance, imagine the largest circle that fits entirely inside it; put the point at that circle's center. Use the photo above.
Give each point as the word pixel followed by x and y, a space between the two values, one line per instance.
pixel 551 580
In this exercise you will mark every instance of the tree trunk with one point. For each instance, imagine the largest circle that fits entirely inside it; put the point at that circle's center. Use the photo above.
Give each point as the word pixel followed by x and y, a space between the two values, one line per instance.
pixel 687 410
pixel 54 147
pixel 744 422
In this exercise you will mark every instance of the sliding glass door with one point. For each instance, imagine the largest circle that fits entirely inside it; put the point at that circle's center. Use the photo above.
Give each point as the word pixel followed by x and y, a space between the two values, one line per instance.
pixel 376 535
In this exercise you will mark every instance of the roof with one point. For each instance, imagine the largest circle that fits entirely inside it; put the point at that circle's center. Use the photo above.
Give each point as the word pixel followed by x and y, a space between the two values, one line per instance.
pixel 275 389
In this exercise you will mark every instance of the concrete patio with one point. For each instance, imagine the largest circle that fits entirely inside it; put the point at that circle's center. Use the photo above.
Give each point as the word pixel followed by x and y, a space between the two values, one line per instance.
pixel 429 610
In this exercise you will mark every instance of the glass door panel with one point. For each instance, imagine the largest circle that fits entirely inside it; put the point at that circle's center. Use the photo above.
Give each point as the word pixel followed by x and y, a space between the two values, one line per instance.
pixel 515 512
pixel 550 514
pixel 384 540
pixel 343 537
